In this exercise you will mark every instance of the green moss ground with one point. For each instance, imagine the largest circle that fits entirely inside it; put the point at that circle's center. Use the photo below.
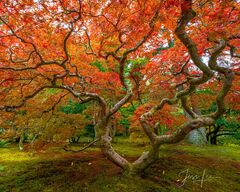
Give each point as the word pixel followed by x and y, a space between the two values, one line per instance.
pixel 57 170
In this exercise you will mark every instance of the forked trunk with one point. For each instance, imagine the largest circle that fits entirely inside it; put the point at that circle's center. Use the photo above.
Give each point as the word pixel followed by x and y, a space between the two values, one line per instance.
pixel 103 132
pixel 144 161
pixel 129 169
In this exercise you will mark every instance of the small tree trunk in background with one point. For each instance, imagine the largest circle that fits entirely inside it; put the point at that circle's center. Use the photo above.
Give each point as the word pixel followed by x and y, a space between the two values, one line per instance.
pixel 95 118
pixel 113 128
pixel 112 131
pixel 213 139
pixel 78 139
pixel 20 143
pixel 212 135
pixel 126 131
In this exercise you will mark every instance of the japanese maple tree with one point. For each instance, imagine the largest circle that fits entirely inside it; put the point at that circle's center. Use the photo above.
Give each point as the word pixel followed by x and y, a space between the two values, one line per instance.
pixel 86 48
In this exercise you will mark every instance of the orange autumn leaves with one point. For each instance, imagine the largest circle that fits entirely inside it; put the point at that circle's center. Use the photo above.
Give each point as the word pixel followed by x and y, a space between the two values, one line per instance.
pixel 106 29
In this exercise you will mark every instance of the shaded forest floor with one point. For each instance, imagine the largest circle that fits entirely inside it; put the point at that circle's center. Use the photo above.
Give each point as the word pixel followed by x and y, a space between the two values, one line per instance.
pixel 180 168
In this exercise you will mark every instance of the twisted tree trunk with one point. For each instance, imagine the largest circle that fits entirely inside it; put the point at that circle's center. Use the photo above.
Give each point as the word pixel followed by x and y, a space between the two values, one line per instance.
pixel 197 120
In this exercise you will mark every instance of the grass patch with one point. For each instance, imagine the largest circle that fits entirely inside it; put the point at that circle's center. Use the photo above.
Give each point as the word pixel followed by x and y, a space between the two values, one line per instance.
pixel 89 171
pixel 226 152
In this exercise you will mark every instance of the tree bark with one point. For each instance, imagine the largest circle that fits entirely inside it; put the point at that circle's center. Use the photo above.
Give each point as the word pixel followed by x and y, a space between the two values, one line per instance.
pixel 196 136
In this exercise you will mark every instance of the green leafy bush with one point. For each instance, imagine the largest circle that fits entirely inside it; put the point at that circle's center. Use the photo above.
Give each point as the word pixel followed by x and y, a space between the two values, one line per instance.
pixel 3 143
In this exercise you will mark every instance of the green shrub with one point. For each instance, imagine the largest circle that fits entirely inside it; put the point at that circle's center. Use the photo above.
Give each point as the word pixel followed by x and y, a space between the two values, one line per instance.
pixel 3 143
